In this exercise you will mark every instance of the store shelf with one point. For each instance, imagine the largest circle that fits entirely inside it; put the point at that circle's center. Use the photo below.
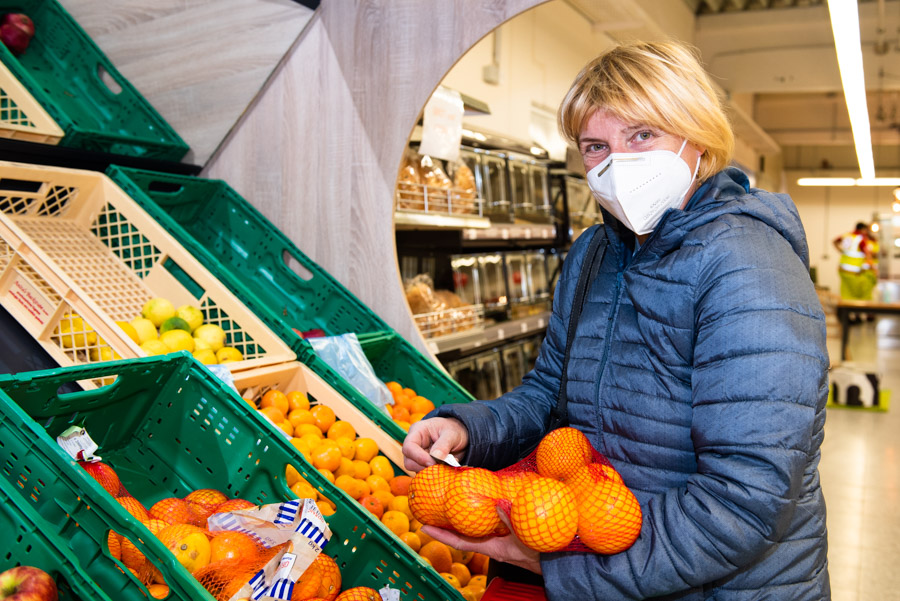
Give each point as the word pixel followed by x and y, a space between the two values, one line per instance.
pixel 417 220
pixel 512 231
pixel 466 341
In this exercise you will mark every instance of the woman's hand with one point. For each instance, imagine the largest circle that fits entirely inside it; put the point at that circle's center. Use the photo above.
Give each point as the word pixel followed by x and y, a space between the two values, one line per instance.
pixel 508 549
pixel 438 435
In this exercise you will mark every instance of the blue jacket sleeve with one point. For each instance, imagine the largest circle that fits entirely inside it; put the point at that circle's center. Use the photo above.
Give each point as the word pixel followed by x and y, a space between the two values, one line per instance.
pixel 504 430
pixel 759 383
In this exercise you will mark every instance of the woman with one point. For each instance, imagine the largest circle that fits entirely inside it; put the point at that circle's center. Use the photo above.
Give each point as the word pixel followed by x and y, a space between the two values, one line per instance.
pixel 697 366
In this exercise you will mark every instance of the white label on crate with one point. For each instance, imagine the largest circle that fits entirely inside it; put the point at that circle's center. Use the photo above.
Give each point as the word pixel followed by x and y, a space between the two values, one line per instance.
pixel 32 300
pixel 433 347
pixel 541 322
pixel 389 594
pixel 523 326
pixel 504 233
pixel 78 444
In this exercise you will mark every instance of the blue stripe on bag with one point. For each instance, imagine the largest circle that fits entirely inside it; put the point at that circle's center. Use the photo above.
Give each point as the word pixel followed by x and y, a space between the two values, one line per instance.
pixel 258 584
pixel 282 589
pixel 287 512
pixel 307 529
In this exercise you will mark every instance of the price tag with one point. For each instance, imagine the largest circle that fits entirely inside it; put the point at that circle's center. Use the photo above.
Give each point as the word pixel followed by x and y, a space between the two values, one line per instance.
pixel 389 594
pixel 541 322
pixel 78 444
pixel 504 233
pixel 500 334
pixel 524 327
pixel 448 459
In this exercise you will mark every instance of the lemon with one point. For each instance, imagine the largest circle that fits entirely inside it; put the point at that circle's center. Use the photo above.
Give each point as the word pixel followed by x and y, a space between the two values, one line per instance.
pixel 201 345
pixel 212 335
pixel 74 332
pixel 104 353
pixel 158 310
pixel 205 356
pixel 174 323
pixel 228 354
pixel 129 330
pixel 192 315
pixel 145 329
pixel 155 347
pixel 177 340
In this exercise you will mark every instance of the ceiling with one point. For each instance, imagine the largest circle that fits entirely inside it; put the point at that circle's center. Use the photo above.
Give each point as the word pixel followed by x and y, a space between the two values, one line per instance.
pixel 776 63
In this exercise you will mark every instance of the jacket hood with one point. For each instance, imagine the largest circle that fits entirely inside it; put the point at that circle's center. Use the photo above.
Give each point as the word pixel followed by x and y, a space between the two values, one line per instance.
pixel 726 193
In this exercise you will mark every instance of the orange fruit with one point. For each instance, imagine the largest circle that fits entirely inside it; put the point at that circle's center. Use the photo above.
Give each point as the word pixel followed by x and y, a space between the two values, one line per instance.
pixel 327 457
pixel 286 427
pixel 291 475
pixel 382 495
pixel 310 433
pixel 409 392
pixel 348 449
pixel 355 488
pixel 461 572
pixel 203 503
pixel 469 594
pixel 189 545
pixel 479 580
pixel 400 485
pixel 359 593
pixel 609 516
pixel 412 540
pixel 233 545
pixel 324 508
pixel 401 414
pixel 330 587
pixel 471 503
pixel 297 400
pixel 298 417
pixel 328 475
pixel 381 466
pixel 421 405
pixel 403 425
pixel 373 505
pixel 562 452
pixel 427 491
pixel 394 387
pixel 130 556
pixel 134 507
pixel 234 505
pixel 377 482
pixel 587 476
pixel 158 591
pixel 452 579
pixel 396 522
pixel 308 584
pixel 345 469
pixel 401 503
pixel 341 429
pixel 438 554
pixel 277 399
pixel 304 490
pixel 361 469
pixel 324 417
pixel 544 515
pixel 104 475
pixel 415 417
pixel 171 510
pixel 114 543
pixel 275 414
pixel 366 448
pixel 511 483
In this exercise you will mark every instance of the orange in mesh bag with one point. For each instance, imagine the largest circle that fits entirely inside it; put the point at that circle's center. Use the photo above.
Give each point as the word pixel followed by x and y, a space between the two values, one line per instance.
pixel 565 496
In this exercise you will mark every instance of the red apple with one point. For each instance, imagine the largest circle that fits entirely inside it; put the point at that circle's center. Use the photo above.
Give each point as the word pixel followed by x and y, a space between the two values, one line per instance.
pixel 16 31
pixel 26 583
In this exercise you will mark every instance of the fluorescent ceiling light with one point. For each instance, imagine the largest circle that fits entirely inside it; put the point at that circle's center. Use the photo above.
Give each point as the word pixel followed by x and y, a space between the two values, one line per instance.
pixel 848 181
pixel 845 25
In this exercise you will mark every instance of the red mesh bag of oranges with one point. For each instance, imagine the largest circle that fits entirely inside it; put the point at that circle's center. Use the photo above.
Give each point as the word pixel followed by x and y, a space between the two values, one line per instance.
pixel 565 496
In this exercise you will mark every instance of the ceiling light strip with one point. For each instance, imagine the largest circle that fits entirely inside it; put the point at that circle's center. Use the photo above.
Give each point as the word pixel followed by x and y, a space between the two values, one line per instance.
pixel 845 25
pixel 848 181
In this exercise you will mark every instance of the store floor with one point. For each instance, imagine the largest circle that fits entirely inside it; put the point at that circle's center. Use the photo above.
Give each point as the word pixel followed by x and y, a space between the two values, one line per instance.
pixel 860 475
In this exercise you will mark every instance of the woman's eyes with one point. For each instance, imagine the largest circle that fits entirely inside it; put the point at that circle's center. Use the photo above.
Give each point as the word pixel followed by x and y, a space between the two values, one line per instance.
pixel 594 147
pixel 643 136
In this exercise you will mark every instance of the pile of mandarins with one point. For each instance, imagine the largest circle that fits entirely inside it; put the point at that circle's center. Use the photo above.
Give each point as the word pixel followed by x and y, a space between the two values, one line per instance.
pixel 562 497
pixel 408 407
pixel 220 561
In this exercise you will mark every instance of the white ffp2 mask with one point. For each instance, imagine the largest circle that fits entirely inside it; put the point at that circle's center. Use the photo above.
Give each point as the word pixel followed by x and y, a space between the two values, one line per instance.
pixel 638 187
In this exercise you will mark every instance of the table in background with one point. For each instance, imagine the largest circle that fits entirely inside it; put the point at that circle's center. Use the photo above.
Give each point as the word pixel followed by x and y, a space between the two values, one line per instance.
pixel 846 307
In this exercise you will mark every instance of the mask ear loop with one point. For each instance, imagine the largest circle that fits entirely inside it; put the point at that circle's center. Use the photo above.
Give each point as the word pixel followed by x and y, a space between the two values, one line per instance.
pixel 696 170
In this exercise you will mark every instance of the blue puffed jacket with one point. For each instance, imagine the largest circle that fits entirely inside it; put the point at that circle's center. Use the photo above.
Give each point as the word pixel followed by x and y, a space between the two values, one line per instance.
pixel 699 369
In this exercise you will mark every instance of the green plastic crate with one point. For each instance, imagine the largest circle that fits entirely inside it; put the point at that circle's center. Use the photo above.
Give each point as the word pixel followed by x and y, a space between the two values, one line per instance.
pixel 251 256
pixel 62 71
pixel 168 426
pixel 30 541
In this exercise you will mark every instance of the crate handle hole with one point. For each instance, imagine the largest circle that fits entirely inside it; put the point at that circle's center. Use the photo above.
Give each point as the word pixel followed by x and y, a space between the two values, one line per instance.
pixel 108 80
pixel 297 267
pixel 19 185
pixel 161 187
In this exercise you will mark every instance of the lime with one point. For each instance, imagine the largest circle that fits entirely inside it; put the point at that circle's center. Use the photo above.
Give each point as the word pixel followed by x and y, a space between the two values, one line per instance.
pixel 174 323
pixel 130 331
pixel 177 340
pixel 158 310
pixel 228 354
pixel 192 315
pixel 145 329
pixel 212 335
pixel 155 347
pixel 205 356
pixel 74 332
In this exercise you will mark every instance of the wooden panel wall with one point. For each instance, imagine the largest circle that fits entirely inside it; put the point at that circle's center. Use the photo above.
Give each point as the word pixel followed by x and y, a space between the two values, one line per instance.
pixel 318 152
pixel 198 62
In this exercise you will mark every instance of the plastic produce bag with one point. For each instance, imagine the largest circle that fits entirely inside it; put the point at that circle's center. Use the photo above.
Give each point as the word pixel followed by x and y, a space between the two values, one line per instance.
pixel 345 355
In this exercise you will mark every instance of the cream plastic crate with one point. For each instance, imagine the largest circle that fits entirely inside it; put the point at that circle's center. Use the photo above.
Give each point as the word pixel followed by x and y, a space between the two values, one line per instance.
pixel 77 255
pixel 21 116
pixel 252 384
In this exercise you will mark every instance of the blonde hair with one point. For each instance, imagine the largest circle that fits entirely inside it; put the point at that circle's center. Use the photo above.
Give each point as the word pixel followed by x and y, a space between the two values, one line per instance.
pixel 660 84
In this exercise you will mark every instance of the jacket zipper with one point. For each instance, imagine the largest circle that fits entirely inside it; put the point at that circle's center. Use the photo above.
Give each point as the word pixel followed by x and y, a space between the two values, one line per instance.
pixel 607 343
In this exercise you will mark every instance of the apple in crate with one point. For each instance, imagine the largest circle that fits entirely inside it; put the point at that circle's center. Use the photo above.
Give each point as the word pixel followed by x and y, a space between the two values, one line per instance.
pixel 26 583
pixel 16 31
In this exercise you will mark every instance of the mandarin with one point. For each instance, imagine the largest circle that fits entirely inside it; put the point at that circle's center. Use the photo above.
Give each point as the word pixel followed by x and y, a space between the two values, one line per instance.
pixel 327 457
pixel 400 485
pixel 452 579
pixel 427 491
pixel 438 554
pixel 233 545
pixel 291 475
pixel 158 591
pixel 421 405
pixel 341 429
pixel 562 452
pixel 324 416
pixel 134 507
pixel 471 503
pixel 297 400
pixel 331 577
pixel 401 503
pixel 412 540
pixel 377 482
pixel 114 544
pixel 359 593
pixel 373 505
pixel 234 505
pixel 544 515
pixel 346 468
pixel 461 572
pixel 305 490
pixel 325 508
pixel 346 446
pixel 275 415
pixel 394 387
pixel 366 448
pixel 396 522
pixel 277 399
pixel 298 417
pixel 381 466
pixel 308 584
